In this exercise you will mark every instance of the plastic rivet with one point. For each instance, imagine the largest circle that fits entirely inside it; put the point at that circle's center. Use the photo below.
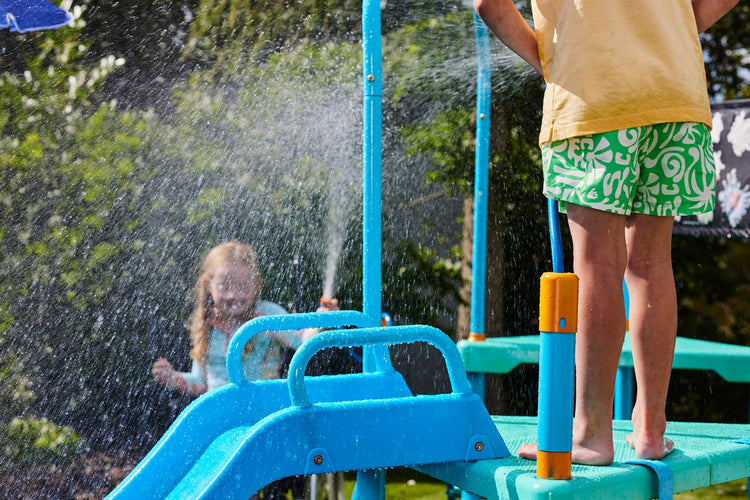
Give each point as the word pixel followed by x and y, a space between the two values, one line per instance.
pixel 318 459
pixel 479 446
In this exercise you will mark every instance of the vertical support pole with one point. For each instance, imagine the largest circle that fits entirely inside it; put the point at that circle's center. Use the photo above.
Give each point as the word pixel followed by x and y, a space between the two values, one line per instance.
pixel 372 159
pixel 376 358
pixel 554 235
pixel 481 181
pixel 370 485
pixel 481 187
pixel 465 495
pixel 625 382
pixel 624 385
pixel 558 313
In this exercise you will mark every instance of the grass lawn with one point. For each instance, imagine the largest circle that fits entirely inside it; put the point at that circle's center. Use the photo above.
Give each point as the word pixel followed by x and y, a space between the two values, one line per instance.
pixel 735 489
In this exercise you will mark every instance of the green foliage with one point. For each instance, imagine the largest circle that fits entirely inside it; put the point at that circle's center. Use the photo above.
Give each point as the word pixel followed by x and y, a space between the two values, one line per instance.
pixel 725 46
pixel 434 98
pixel 449 143
pixel 428 280
pixel 713 277
pixel 15 387
pixel 39 441
pixel 231 35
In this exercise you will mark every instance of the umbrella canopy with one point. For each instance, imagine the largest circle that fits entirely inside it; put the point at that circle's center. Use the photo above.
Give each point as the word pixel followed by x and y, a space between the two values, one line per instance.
pixel 32 15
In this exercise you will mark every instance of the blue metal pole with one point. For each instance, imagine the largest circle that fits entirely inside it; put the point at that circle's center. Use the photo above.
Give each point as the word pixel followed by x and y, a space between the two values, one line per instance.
pixel 624 386
pixel 372 159
pixel 481 180
pixel 481 187
pixel 554 236
pixel 625 382
pixel 371 483
pixel 374 358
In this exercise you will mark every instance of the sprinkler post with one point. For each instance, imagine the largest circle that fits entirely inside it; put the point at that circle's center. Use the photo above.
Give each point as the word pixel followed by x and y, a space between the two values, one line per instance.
pixel 558 313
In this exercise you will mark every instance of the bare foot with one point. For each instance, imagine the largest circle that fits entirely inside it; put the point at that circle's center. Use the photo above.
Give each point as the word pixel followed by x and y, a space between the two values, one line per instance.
pixel 650 448
pixel 579 455
pixel 527 451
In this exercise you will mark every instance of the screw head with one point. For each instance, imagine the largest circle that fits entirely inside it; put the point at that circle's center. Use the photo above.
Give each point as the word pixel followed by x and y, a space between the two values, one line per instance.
pixel 482 116
pixel 370 78
pixel 318 459
pixel 479 446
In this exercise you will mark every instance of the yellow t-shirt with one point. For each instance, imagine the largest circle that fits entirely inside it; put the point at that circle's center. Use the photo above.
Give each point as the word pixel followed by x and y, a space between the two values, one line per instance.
pixel 614 64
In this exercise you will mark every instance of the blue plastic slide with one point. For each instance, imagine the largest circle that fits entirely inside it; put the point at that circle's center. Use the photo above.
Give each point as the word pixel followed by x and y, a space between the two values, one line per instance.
pixel 233 441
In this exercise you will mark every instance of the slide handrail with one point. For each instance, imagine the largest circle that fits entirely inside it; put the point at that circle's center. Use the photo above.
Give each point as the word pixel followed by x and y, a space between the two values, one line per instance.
pixel 373 336
pixel 332 319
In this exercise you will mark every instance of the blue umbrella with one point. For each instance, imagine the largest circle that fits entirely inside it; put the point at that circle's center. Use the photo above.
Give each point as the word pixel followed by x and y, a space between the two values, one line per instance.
pixel 32 15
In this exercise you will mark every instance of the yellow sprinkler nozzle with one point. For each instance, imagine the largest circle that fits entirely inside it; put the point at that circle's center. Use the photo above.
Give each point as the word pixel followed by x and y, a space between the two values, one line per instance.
pixel 558 303
pixel 553 464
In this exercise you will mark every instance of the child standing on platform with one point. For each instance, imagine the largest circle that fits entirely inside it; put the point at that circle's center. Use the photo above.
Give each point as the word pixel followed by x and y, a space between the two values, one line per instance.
pixel 625 148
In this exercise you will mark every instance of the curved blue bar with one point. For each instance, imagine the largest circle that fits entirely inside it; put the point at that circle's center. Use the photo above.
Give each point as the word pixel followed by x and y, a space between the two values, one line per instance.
pixel 481 176
pixel 556 391
pixel 333 319
pixel 554 236
pixel 370 336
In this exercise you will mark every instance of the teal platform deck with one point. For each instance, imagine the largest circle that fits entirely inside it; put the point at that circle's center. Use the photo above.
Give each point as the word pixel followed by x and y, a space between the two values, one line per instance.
pixel 704 455
pixel 503 354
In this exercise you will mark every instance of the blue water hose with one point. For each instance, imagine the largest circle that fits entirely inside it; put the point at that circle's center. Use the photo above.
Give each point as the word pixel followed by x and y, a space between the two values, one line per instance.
pixel 554 236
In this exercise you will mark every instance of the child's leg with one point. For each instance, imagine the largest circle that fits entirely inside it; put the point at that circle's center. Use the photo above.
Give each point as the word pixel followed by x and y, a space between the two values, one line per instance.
pixel 653 327
pixel 599 258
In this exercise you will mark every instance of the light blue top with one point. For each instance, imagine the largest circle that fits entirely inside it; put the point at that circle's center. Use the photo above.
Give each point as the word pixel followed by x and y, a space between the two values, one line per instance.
pixel 261 363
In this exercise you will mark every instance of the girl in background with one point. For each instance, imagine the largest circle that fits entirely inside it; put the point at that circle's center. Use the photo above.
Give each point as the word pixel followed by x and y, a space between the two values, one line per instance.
pixel 227 295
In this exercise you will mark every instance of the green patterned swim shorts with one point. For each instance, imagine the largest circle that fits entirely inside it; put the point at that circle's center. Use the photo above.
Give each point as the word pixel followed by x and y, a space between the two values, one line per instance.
pixel 664 169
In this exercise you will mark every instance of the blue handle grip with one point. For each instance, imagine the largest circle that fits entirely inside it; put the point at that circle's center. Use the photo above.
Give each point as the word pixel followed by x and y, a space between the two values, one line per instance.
pixel 332 319
pixel 370 336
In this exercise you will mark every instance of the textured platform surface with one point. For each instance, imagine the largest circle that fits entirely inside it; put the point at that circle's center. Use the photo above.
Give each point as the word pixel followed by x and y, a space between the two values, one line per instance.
pixel 503 354
pixel 704 454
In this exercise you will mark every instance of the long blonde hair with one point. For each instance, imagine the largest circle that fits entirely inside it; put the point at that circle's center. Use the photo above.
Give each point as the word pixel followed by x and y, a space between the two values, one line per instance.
pixel 199 321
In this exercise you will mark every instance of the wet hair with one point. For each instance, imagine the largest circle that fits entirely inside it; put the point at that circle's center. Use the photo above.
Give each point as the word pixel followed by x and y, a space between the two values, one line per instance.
pixel 199 321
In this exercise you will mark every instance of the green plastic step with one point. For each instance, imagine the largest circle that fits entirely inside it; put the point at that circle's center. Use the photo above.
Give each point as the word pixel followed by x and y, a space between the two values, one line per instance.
pixel 705 454
pixel 503 354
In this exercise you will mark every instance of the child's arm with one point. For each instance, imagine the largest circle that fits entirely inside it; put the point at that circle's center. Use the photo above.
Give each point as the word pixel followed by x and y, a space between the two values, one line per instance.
pixel 707 12
pixel 506 22
pixel 187 383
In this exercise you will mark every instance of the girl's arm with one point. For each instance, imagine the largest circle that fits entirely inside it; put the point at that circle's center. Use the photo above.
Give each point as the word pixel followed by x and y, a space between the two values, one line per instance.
pixel 506 22
pixel 187 383
pixel 707 12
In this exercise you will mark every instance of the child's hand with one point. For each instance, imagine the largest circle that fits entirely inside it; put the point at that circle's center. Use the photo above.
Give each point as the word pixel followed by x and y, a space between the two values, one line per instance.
pixel 328 305
pixel 163 372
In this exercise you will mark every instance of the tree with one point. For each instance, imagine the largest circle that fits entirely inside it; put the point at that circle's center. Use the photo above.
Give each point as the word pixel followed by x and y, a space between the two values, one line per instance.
pixel 438 121
pixel 725 46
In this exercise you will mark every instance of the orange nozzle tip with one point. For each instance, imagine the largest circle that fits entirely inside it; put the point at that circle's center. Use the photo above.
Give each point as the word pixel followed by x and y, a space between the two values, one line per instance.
pixel 476 337
pixel 558 303
pixel 326 301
